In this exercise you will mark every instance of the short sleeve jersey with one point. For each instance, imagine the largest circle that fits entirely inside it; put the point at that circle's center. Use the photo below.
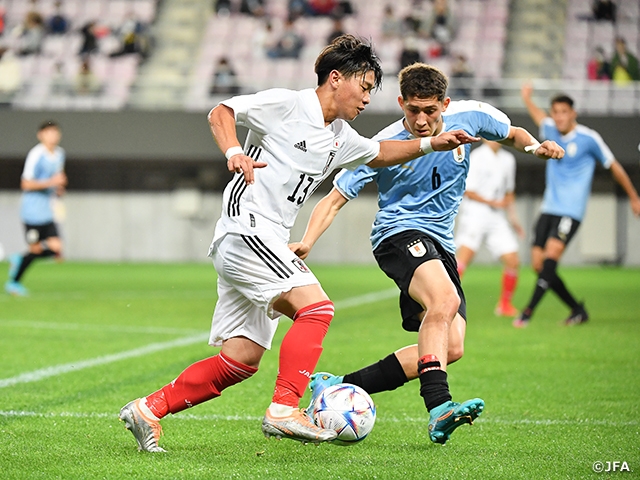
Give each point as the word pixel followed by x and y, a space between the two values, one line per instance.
pixel 491 175
pixel 288 132
pixel 568 180
pixel 424 194
pixel 41 164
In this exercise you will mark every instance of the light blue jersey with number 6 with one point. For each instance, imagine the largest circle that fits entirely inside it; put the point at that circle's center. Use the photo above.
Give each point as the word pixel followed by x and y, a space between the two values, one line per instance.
pixel 424 194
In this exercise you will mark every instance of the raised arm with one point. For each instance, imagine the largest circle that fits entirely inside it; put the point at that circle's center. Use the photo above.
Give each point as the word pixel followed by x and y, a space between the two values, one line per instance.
pixel 535 112
pixel 394 152
pixel 322 216
pixel 620 175
pixel 223 127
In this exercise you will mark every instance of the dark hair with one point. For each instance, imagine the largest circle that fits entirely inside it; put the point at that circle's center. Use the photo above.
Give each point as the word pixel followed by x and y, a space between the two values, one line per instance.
pixel 350 56
pixel 423 81
pixel 562 98
pixel 47 124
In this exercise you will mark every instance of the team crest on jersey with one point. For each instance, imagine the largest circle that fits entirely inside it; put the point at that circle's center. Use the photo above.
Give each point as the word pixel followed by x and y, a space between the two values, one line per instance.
pixel 417 248
pixel 300 265
pixel 459 153
pixel 572 149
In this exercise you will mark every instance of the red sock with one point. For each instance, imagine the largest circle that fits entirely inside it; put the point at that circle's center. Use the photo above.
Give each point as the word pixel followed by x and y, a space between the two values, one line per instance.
pixel 461 268
pixel 509 282
pixel 198 383
pixel 300 351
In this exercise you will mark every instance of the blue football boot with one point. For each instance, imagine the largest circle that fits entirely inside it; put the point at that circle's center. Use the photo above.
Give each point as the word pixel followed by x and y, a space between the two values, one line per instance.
pixel 450 415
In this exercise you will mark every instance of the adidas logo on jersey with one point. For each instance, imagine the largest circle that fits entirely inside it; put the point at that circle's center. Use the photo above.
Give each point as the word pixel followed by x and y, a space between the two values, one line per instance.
pixel 301 146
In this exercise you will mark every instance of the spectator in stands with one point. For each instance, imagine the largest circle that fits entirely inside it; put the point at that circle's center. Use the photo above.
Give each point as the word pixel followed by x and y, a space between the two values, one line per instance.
pixel 290 43
pixel 253 7
pixel 133 37
pixel 59 83
pixel 297 9
pixel 263 39
pixel 410 52
pixel 598 68
pixel 10 73
pixel 58 23
pixel 604 10
pixel 89 39
pixel 624 65
pixel 440 26
pixel 391 25
pixel 31 34
pixel 337 30
pixel 225 80
pixel 461 72
pixel 321 7
pixel 222 7
pixel 87 83
pixel 2 20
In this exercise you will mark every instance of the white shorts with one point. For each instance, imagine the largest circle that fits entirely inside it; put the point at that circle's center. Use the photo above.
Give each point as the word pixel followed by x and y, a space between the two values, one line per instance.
pixel 493 229
pixel 253 270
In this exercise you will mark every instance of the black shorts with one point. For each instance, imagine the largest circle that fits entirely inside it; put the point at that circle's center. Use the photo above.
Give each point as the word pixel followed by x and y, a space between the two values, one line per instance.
pixel 36 233
pixel 395 258
pixel 554 226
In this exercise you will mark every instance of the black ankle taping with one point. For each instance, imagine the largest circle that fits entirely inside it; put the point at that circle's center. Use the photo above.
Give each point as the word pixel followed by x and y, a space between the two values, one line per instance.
pixel 382 376
pixel 434 388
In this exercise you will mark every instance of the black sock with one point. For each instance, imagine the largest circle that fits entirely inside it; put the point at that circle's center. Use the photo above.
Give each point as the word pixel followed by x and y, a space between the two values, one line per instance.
pixel 26 261
pixel 545 279
pixel 560 289
pixel 434 387
pixel 387 374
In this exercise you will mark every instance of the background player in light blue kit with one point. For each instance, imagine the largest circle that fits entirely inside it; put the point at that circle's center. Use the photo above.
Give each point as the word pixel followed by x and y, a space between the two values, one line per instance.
pixel 568 185
pixel 43 178
pixel 413 242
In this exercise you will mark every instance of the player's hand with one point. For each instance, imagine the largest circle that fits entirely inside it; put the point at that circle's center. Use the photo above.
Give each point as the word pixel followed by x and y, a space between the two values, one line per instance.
pixel 451 140
pixel 300 249
pixel 244 164
pixel 59 180
pixel 519 230
pixel 635 207
pixel 526 92
pixel 549 149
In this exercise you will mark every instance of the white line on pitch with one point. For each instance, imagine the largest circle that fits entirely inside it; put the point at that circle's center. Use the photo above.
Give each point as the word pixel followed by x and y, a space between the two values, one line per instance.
pixel 380 418
pixel 97 328
pixel 55 370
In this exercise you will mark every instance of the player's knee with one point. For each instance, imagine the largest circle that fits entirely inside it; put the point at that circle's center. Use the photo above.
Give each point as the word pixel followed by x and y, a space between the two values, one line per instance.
pixel 446 306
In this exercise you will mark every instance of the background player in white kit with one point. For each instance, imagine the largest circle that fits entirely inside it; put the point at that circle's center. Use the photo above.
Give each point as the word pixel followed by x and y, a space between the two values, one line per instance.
pixel 487 213
pixel 300 137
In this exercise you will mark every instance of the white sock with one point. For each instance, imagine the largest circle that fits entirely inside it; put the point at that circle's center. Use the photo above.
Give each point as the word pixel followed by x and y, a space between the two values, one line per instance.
pixel 279 410
pixel 142 405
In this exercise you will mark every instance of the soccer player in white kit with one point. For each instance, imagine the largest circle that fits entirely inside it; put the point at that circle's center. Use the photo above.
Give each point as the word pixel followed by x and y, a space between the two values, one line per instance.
pixel 487 214
pixel 296 138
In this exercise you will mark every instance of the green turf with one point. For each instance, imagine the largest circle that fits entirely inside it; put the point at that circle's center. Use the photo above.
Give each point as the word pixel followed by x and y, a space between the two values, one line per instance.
pixel 558 398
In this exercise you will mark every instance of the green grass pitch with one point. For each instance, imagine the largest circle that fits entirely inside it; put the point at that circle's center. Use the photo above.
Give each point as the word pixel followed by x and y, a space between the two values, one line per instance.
pixel 91 337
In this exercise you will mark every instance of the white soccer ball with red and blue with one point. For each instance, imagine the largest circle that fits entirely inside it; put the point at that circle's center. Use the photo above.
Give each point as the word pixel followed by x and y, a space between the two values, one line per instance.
pixel 348 410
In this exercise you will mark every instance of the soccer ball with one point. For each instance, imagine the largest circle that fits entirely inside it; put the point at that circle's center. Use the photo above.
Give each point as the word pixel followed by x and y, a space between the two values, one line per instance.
pixel 348 410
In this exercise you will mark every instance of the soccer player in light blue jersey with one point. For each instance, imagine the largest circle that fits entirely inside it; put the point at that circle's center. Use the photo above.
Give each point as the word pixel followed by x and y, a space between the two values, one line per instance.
pixel 568 185
pixel 413 242
pixel 43 178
